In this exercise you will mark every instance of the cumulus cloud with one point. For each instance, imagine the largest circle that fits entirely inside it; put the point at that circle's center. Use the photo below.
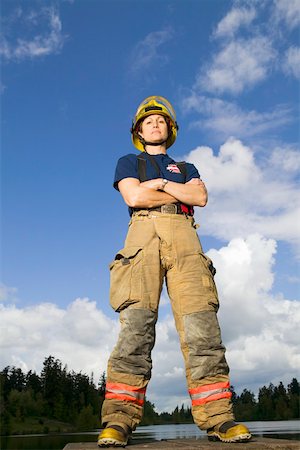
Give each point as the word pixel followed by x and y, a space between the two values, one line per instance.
pixel 225 118
pixel 240 64
pixel 234 20
pixel 81 336
pixel 291 64
pixel 246 196
pixel 259 330
pixel 148 52
pixel 39 33
pixel 168 375
pixel 287 11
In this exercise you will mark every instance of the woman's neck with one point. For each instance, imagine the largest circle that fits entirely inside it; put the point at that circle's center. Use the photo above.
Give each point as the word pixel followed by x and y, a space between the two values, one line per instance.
pixel 156 149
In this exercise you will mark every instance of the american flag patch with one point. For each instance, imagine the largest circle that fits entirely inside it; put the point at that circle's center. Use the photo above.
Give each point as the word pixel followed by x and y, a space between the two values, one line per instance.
pixel 173 168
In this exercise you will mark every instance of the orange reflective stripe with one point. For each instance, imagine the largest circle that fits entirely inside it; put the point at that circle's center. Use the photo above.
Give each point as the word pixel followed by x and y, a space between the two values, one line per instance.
pixel 125 392
pixel 209 387
pixel 209 393
pixel 125 398
pixel 125 387
pixel 211 398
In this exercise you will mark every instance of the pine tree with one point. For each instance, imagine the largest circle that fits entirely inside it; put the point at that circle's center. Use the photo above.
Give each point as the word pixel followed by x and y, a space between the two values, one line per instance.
pixel 51 377
pixel 294 398
pixel 245 406
pixel 265 403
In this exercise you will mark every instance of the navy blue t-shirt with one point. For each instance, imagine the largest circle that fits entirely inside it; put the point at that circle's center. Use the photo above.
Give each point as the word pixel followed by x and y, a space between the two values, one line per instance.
pixel 127 167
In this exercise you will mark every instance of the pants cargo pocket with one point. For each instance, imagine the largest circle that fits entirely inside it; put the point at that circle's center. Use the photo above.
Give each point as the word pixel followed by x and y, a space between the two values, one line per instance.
pixel 208 281
pixel 126 278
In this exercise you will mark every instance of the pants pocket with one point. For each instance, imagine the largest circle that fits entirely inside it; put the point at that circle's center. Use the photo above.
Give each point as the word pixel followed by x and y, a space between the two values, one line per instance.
pixel 126 278
pixel 208 279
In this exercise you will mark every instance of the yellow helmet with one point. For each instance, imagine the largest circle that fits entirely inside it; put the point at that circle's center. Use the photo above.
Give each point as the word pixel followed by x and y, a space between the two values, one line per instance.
pixel 154 105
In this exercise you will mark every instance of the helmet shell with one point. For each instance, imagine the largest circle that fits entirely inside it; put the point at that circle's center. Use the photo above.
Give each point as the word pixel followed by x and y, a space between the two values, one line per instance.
pixel 154 105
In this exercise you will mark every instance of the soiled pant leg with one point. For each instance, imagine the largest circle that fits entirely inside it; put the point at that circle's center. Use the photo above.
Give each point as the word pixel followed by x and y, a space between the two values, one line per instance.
pixel 137 282
pixel 194 301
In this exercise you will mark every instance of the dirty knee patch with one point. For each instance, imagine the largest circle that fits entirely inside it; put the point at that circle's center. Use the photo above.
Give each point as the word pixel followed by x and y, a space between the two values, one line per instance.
pixel 205 349
pixel 132 354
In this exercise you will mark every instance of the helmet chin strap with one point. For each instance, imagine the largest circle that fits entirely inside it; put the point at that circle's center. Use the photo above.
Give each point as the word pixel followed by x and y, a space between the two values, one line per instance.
pixel 144 143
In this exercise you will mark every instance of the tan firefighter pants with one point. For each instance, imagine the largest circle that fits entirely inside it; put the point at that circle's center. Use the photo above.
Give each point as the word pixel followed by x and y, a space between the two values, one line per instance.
pixel 157 247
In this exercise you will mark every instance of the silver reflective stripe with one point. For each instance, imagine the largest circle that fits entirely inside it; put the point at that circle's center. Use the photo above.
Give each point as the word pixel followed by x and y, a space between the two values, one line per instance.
pixel 137 395
pixel 208 393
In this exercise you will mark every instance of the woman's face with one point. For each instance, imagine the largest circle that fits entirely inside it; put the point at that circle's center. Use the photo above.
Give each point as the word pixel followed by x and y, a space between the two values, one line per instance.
pixel 154 129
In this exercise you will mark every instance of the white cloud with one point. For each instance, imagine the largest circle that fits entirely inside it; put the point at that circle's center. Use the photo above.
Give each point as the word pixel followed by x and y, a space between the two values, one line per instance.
pixel 226 118
pixel 235 19
pixel 167 387
pixel 42 34
pixel 292 62
pixel 148 51
pixel 245 197
pixel 81 336
pixel 7 293
pixel 259 330
pixel 240 64
pixel 286 159
pixel 288 11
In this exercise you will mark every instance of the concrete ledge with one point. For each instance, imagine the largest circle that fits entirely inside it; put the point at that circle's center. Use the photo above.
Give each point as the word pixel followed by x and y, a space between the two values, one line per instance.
pixel 256 443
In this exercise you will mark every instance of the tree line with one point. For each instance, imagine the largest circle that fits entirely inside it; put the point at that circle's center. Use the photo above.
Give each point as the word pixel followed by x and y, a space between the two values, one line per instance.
pixel 56 394
pixel 62 397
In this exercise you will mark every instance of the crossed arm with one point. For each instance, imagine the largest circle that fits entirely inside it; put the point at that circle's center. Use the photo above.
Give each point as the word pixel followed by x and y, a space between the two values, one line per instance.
pixel 152 193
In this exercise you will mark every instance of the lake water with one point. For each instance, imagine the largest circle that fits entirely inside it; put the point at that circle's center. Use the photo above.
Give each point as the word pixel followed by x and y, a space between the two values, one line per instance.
pixel 288 429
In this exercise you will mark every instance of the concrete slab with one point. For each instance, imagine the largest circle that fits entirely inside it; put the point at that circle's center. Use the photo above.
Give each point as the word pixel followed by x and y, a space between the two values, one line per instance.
pixel 256 443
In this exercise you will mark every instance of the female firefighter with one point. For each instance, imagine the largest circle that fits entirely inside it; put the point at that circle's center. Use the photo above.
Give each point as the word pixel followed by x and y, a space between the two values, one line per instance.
pixel 162 244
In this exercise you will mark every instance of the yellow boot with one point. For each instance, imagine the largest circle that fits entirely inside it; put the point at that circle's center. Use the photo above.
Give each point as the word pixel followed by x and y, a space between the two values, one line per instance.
pixel 114 436
pixel 229 432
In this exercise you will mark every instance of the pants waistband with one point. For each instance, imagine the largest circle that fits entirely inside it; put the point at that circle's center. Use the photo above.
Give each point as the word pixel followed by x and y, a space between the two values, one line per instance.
pixel 171 208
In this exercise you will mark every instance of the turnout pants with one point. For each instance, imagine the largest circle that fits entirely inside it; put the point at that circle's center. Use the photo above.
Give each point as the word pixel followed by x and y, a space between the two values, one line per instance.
pixel 157 247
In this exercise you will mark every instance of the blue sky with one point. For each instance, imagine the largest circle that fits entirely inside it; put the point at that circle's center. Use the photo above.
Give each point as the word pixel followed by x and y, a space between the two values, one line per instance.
pixel 73 73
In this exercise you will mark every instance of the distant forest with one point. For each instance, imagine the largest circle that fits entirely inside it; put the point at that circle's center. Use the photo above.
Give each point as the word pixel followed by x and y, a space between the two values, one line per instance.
pixel 61 400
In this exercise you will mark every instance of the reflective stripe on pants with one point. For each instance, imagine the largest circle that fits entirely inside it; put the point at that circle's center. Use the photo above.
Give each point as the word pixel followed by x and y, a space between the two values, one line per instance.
pixel 120 391
pixel 209 393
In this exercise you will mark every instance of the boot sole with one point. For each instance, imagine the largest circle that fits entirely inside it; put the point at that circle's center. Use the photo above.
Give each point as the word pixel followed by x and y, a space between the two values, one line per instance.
pixel 240 438
pixel 109 442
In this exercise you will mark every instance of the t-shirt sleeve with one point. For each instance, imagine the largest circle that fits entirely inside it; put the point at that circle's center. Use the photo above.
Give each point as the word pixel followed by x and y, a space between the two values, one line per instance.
pixel 126 168
pixel 191 172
